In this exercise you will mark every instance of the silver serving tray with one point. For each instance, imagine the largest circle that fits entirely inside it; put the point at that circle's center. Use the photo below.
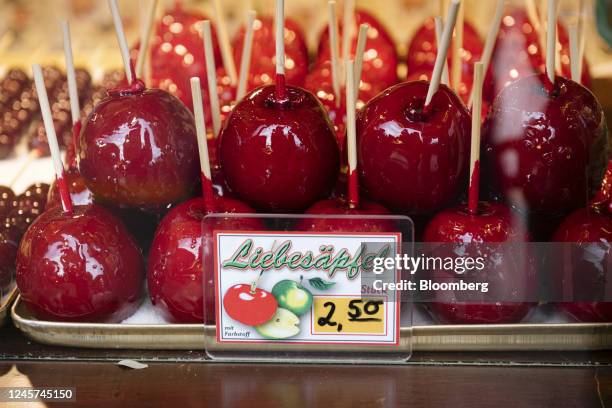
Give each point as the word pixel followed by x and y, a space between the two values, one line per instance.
pixel 508 337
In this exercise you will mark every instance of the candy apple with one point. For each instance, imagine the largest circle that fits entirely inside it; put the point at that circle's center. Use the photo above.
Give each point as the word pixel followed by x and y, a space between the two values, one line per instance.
pixel 79 192
pixel 6 200
pixel 279 155
pixel 413 161
pixel 81 267
pixel 138 148
pixel 8 253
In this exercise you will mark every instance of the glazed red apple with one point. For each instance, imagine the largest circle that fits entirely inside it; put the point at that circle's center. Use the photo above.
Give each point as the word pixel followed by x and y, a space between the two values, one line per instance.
pixel 279 155
pixel 81 267
pixel 175 264
pixel 412 162
pixel 512 279
pixel 340 206
pixel 177 52
pixel 248 305
pixel 546 150
pixel 263 55
pixel 138 148
pixel 423 49
pixel 8 253
pixel 80 194
pixel 380 56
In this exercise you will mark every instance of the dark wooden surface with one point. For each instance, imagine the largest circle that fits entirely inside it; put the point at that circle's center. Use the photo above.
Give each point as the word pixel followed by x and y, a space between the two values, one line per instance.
pixel 182 379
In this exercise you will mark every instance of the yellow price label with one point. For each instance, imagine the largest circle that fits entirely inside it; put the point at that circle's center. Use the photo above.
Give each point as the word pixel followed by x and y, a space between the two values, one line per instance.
pixel 349 315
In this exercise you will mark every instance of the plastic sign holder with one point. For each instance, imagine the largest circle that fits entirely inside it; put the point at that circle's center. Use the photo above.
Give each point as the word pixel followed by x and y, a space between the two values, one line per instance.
pixel 305 288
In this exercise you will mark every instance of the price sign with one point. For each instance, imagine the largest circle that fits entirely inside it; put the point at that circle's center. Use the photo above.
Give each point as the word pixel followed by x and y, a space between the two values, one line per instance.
pixel 305 288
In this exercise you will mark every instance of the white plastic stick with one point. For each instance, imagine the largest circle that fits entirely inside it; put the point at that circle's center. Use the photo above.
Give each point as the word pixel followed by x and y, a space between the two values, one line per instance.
pixel 123 45
pixel 574 53
pixel 224 43
pixel 75 109
pixel 439 27
pixel 359 51
pixel 442 51
pixel 245 59
pixel 351 130
pixel 457 49
pixel 348 17
pixel 487 51
pixel 333 46
pixel 551 39
pixel 280 37
pixel 45 108
pixel 211 76
pixel 198 112
pixel 145 38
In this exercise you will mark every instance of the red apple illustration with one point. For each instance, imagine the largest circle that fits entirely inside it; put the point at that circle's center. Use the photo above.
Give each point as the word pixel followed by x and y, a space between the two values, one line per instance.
pixel 249 304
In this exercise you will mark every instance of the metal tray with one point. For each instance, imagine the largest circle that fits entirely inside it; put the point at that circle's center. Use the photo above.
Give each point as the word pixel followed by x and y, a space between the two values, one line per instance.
pixel 509 337
pixel 5 304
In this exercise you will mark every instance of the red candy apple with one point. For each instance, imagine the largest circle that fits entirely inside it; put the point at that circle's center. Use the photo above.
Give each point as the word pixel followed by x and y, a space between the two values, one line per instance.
pixel 249 305
pixel 279 155
pixel 263 54
pixel 79 192
pixel 138 148
pixel 411 161
pixel 546 149
pixel 175 264
pixel 80 267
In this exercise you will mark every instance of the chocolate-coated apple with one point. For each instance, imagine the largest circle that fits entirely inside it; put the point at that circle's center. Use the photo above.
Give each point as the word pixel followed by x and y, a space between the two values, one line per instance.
pixel 279 155
pixel 175 264
pixel 138 148
pixel 412 161
pixel 495 234
pixel 80 267
pixel 546 150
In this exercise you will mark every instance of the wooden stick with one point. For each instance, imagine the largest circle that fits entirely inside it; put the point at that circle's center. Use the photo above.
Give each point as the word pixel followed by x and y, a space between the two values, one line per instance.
pixel 348 17
pixel 359 51
pixel 333 46
pixel 280 50
pixel 145 39
pixel 245 59
pixel 534 20
pixel 56 156
pixel 551 40
pixel 473 191
pixel 574 53
pixel 75 109
pixel 487 51
pixel 224 43
pixel 123 45
pixel 351 134
pixel 582 36
pixel 543 25
pixel 205 173
pixel 211 75
pixel 457 49
pixel 442 52
pixel 439 27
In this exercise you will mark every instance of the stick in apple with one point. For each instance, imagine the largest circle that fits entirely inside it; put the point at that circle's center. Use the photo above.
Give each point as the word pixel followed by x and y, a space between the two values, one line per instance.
pixel 473 191
pixel 281 89
pixel 582 35
pixel 75 109
pixel 348 16
pixel 574 53
pixel 123 46
pixel 439 27
pixel 457 49
pixel 551 41
pixel 487 51
pixel 211 75
pixel 333 46
pixel 205 174
pixel 442 52
pixel 245 59
pixel 351 134
pixel 224 42
pixel 359 51
pixel 45 108
pixel 145 38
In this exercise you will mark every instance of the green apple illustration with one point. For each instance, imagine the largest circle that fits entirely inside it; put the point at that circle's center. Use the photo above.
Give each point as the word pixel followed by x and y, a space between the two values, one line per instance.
pixel 284 324
pixel 292 296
